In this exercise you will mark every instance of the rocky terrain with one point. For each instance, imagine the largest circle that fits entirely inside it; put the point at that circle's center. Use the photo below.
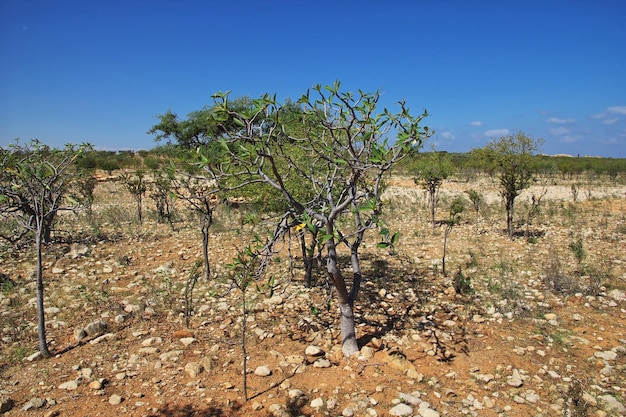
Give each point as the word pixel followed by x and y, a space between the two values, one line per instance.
pixel 517 328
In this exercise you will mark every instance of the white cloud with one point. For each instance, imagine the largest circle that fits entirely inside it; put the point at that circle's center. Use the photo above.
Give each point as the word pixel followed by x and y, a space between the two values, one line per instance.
pixel 559 131
pixel 617 110
pixel 556 120
pixel 497 132
pixel 448 136
pixel 611 121
pixel 599 116
pixel 477 123
pixel 570 139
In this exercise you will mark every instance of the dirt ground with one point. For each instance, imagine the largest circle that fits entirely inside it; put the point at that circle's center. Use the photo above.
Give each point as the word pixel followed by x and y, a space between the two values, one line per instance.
pixel 533 330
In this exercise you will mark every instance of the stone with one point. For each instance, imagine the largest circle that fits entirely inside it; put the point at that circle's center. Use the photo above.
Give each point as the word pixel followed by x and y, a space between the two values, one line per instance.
pixel 550 316
pixel 171 356
pixel 410 398
pixel 69 385
pixel 34 404
pixel 314 351
pixel 317 403
pixel 79 335
pixel 263 370
pixel 611 404
pixel 151 341
pixel 367 353
pixel 193 369
pixel 257 406
pixel 115 399
pixel 95 385
pixel 607 355
pixel 96 328
pixel 33 357
pixel 186 341
pixel 401 410
pixel 428 412
pixel 295 393
pixel 322 363
pixel 515 380
pixel 347 412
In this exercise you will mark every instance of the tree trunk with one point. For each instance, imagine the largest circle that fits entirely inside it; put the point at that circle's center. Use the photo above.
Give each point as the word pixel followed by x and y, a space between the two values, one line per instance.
pixel 206 225
pixel 445 247
pixel 509 215
pixel 41 319
pixel 348 330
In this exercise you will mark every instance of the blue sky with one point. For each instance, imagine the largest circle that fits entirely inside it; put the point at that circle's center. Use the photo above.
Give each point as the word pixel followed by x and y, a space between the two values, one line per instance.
pixel 101 71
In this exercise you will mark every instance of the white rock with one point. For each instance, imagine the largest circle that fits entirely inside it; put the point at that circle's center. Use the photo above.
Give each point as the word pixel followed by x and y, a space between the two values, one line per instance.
pixel 401 410
pixel 69 385
pixel 115 399
pixel 96 327
pixel 317 403
pixel 607 355
pixel 314 351
pixel 263 370
pixel 193 369
pixel 186 341
pixel 428 412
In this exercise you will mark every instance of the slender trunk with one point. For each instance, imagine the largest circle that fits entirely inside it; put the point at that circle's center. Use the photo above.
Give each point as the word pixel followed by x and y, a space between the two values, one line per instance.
pixel 307 258
pixel 445 248
pixel 139 209
pixel 509 215
pixel 243 341
pixel 433 203
pixel 476 221
pixel 41 319
pixel 206 224
pixel 348 330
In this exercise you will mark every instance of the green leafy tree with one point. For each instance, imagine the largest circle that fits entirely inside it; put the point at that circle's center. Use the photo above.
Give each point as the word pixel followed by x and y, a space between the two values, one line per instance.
pixel 477 200
pixel 34 187
pixel 454 217
pixel 511 158
pixel 198 129
pixel 136 185
pixel 433 169
pixel 346 152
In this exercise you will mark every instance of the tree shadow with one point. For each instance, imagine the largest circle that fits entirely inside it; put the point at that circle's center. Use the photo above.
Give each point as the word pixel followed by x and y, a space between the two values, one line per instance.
pixel 191 410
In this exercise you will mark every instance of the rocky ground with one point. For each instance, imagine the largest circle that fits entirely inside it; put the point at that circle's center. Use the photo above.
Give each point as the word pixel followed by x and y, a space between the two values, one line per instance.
pixel 529 330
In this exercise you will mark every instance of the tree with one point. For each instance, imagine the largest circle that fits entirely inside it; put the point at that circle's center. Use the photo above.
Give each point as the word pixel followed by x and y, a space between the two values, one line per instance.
pixel 477 200
pixel 456 208
pixel 432 169
pixel 198 129
pixel 34 182
pixel 511 159
pixel 136 184
pixel 346 153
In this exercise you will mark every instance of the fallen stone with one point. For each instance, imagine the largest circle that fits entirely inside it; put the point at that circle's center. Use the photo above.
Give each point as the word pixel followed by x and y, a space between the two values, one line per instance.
pixel 96 328
pixel 69 385
pixel 401 410
pixel 317 403
pixel 34 404
pixel 612 405
pixel 314 351
pixel 263 370
pixel 115 399
pixel 607 355
pixel 428 412
pixel 186 341
pixel 193 369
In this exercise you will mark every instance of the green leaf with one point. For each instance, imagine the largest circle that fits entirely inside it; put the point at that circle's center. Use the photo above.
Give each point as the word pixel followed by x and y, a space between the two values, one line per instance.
pixel 382 245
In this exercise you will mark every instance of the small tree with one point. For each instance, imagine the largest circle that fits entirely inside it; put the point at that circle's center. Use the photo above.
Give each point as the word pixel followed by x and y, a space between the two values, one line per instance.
pixel 136 184
pixel 476 199
pixel 346 155
pixel 34 183
pixel 456 208
pixel 511 158
pixel 432 170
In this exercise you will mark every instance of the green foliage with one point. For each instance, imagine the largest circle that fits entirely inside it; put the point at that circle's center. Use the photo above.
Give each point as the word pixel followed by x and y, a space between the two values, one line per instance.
pixel 511 158
pixel 578 249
